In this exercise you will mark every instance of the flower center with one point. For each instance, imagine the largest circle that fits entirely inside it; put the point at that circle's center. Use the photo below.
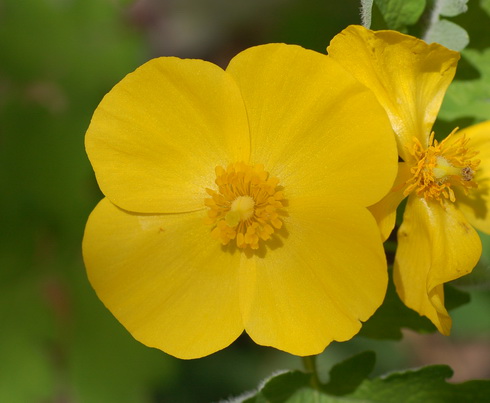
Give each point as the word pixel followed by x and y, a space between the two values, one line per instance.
pixel 246 206
pixel 442 166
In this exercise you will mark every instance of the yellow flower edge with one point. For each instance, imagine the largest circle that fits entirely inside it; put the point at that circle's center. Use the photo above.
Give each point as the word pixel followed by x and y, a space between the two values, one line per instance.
pixel 446 182
pixel 302 130
pixel 408 76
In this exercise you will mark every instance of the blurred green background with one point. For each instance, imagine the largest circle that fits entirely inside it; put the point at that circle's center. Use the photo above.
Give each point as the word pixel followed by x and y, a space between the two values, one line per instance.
pixel 57 341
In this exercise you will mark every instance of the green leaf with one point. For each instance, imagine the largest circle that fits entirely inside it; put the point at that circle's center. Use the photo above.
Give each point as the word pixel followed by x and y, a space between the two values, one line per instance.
pixel 391 317
pixel 424 385
pixel 452 8
pixel 346 376
pixel 443 31
pixel 479 278
pixel 366 12
pixel 280 388
pixel 466 98
pixel 349 384
pixel 448 34
pixel 400 13
pixel 389 320
pixel 485 5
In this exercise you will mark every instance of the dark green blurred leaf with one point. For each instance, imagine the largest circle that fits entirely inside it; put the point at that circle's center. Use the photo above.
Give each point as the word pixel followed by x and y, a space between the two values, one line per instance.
pixel 104 362
pixel 479 278
pixel 485 5
pixel 393 316
pixel 58 343
pixel 389 320
pixel 280 388
pixel 28 354
pixel 398 14
pixel 346 376
pixel 313 23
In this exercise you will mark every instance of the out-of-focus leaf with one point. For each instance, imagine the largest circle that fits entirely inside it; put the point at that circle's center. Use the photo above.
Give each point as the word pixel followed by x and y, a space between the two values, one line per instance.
pixel 104 362
pixel 448 34
pixel 280 388
pixel 443 31
pixel 28 369
pixel 470 98
pixel 312 23
pixel 58 343
pixel 485 5
pixel 452 8
pixel 479 278
pixel 393 316
pixel 389 320
pixel 346 376
pixel 398 14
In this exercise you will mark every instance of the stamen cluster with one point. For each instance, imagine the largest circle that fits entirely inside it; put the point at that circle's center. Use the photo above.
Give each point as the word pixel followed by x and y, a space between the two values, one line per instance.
pixel 258 197
pixel 442 166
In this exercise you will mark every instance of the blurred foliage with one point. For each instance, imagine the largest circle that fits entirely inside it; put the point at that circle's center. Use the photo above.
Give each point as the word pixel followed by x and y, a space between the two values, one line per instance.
pixel 393 316
pixel 57 60
pixel 349 382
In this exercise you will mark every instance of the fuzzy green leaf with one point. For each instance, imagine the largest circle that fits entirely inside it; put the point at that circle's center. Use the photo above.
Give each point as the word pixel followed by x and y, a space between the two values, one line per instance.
pixel 448 34
pixel 452 8
pixel 427 384
pixel 346 376
pixel 400 13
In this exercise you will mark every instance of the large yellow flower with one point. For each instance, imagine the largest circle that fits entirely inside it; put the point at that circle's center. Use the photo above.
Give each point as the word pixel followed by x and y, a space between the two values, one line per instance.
pixel 236 200
pixel 447 182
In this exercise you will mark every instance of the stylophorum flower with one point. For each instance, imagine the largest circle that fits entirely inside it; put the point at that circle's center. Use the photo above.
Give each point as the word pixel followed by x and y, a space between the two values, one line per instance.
pixel 236 200
pixel 447 182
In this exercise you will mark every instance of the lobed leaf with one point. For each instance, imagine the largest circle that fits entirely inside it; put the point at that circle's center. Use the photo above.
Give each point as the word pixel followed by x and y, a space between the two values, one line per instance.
pixel 427 384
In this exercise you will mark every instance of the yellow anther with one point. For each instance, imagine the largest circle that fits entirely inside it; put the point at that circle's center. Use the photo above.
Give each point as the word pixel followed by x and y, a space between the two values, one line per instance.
pixel 442 166
pixel 246 207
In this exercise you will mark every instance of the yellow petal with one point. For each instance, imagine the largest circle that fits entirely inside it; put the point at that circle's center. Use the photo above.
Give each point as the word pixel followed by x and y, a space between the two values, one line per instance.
pixel 165 279
pixel 313 126
pixel 435 245
pixel 385 210
pixel 476 205
pixel 408 76
pixel 157 136
pixel 314 286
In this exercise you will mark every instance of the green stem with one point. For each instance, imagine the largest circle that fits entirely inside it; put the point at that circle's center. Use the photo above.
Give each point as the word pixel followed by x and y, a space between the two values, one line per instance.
pixel 309 363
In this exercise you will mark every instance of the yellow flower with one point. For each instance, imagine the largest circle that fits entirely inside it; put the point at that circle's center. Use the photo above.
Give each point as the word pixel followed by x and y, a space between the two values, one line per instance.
pixel 447 182
pixel 236 200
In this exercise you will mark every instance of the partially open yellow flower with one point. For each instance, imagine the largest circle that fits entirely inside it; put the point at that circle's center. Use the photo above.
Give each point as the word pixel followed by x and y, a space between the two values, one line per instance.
pixel 236 200
pixel 447 182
